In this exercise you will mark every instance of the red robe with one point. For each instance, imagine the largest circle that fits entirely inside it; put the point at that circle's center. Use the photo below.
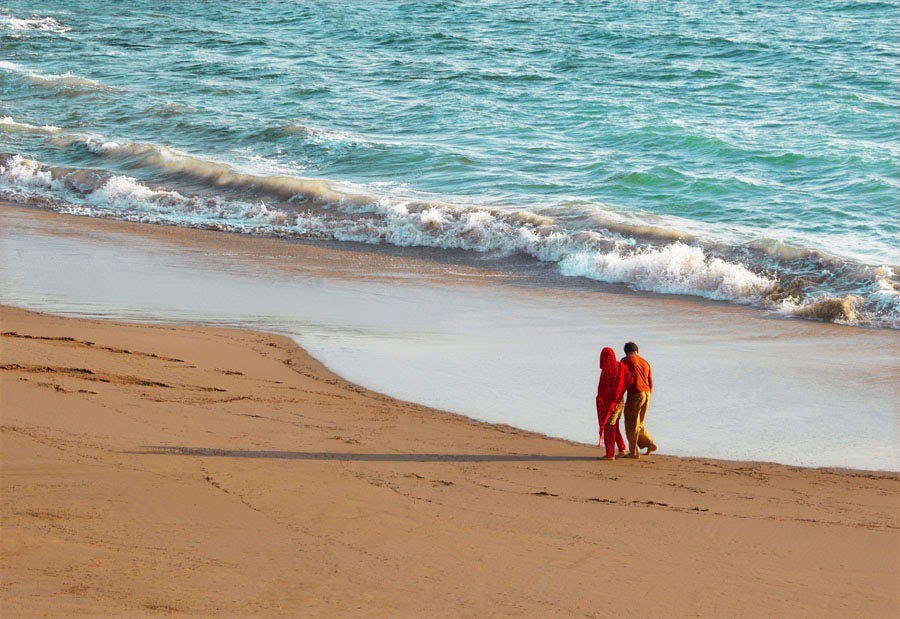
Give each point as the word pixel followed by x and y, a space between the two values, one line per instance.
pixel 614 382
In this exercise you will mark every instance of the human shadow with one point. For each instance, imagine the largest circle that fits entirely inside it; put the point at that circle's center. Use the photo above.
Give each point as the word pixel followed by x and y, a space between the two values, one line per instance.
pixel 168 450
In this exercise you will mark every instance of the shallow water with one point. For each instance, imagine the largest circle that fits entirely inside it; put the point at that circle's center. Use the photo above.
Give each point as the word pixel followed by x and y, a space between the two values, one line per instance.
pixel 747 154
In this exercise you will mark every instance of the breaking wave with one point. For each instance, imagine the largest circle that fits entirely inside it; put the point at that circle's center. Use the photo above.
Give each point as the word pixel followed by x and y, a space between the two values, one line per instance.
pixel 675 268
pixel 212 195
pixel 181 166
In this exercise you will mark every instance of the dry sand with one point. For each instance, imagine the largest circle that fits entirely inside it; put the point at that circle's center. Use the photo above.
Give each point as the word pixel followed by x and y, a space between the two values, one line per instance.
pixel 150 468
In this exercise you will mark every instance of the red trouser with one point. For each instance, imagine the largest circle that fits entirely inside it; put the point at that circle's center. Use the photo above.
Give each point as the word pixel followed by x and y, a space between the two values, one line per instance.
pixel 612 438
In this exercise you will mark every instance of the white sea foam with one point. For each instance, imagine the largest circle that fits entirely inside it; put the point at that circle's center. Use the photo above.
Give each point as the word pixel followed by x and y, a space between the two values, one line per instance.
pixel 264 166
pixel 883 304
pixel 676 269
pixel 120 189
pixel 880 307
pixel 33 23
pixel 25 174
pixel 99 146
pixel 127 198
pixel 443 225
pixel 8 124
pixel 413 224
pixel 884 278
pixel 328 136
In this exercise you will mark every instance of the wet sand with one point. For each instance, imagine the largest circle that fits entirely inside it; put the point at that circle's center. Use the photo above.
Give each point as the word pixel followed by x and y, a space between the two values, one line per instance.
pixel 173 469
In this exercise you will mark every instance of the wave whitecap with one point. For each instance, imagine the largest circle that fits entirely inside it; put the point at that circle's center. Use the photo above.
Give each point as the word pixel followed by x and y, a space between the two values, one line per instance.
pixel 675 268
pixel 35 23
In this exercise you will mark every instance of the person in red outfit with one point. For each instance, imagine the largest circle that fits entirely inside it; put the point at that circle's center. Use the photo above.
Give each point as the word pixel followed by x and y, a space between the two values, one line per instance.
pixel 615 379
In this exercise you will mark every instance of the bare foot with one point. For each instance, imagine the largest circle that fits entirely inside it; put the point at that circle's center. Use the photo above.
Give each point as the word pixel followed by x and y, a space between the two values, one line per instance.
pixel 634 456
pixel 608 458
pixel 622 454
pixel 651 449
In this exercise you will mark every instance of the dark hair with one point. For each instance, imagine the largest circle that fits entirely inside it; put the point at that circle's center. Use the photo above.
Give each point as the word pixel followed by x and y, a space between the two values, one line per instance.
pixel 630 347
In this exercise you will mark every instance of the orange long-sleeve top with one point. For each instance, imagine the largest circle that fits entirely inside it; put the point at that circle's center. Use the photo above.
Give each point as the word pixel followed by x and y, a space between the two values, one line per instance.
pixel 640 370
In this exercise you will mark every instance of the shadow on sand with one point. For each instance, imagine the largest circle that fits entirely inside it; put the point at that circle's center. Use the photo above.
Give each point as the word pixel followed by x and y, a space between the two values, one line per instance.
pixel 166 450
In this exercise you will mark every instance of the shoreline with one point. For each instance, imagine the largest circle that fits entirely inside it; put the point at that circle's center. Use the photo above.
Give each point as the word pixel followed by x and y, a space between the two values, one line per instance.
pixel 151 468
pixel 840 310
pixel 408 325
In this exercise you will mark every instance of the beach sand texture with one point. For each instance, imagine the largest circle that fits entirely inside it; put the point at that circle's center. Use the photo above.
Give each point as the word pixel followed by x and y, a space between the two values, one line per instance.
pixel 152 468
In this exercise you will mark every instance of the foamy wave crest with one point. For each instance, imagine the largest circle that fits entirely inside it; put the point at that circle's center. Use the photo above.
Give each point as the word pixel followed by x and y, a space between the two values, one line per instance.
pixel 216 175
pixel 844 310
pixel 447 226
pixel 675 269
pixel 88 192
pixel 11 126
pixel 21 173
pixel 883 305
pixel 418 224
pixel 33 23
pixel 66 83
pixel 99 147
pixel 880 307
pixel 119 189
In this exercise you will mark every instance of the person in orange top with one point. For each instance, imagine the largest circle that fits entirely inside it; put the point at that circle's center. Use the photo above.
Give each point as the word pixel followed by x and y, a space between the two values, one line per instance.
pixel 637 403
pixel 614 381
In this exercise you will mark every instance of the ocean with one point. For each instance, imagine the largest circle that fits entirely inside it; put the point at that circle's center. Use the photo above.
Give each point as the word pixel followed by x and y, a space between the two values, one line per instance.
pixel 742 152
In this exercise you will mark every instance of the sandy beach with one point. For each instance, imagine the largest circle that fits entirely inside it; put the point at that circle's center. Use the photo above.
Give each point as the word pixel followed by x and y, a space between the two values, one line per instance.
pixel 168 469
pixel 303 308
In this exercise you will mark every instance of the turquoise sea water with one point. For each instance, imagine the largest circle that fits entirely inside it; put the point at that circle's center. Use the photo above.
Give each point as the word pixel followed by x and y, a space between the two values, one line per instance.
pixel 738 151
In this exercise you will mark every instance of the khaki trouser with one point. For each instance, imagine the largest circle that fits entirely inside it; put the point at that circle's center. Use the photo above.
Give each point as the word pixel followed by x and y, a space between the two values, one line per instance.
pixel 635 411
